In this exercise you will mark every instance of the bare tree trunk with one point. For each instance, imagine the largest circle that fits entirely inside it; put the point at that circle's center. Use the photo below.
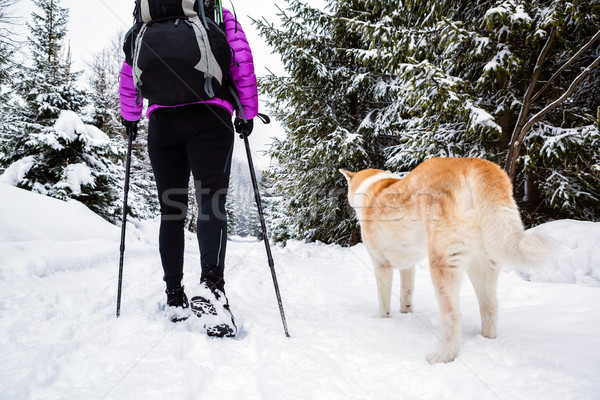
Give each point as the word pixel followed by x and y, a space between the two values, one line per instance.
pixel 524 124
pixel 355 236
pixel 514 146
pixel 517 139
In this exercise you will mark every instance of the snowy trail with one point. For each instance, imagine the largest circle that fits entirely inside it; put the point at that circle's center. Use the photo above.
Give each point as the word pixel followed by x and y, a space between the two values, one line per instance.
pixel 60 338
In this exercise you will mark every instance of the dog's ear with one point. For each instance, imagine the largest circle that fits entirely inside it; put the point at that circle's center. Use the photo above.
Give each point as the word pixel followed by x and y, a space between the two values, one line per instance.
pixel 347 174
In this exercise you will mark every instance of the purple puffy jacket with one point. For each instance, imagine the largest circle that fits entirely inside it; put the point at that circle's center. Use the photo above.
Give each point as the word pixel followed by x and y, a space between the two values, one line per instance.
pixel 241 74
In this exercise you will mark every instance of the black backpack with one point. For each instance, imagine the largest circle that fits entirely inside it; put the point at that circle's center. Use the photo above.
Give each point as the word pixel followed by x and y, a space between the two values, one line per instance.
pixel 179 51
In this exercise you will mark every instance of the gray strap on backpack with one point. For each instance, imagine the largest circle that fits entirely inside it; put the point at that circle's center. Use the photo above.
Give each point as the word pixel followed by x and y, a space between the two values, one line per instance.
pixel 208 64
pixel 236 98
pixel 137 73
pixel 203 16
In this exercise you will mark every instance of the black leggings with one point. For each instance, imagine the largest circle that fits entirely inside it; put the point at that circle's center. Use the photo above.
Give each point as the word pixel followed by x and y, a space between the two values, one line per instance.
pixel 196 138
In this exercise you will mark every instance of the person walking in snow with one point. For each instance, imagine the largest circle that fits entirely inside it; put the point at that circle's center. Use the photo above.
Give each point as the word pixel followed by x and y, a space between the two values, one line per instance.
pixel 191 136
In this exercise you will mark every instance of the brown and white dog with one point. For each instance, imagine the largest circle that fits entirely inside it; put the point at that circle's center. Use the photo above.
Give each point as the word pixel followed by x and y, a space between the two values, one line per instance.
pixel 458 212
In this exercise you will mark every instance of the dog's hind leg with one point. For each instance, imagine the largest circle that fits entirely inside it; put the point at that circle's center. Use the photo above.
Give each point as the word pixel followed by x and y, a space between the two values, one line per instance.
pixel 407 277
pixel 384 277
pixel 446 281
pixel 484 278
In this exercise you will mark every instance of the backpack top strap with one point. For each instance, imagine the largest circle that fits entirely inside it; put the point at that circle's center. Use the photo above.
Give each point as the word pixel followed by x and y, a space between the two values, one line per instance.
pixel 150 10
pixel 137 11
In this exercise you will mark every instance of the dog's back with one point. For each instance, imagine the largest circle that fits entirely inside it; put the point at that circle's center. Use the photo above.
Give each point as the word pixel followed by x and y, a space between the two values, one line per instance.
pixel 458 200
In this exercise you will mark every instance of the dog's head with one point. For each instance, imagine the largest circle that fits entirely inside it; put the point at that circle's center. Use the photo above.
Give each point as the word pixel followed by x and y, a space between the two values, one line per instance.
pixel 360 182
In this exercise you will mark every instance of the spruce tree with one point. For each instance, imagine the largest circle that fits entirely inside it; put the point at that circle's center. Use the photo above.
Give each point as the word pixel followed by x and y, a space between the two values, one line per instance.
pixel 241 205
pixel 418 79
pixel 459 74
pixel 50 149
pixel 49 85
pixel 7 48
pixel 103 80
pixel 275 216
pixel 7 42
pixel 322 105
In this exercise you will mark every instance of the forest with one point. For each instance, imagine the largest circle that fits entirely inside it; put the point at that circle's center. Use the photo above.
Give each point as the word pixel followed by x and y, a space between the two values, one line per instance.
pixel 367 84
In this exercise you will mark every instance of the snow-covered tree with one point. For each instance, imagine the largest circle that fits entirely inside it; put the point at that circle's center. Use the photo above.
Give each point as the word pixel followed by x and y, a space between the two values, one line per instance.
pixel 103 79
pixel 274 214
pixel 462 74
pixel 322 104
pixel 241 206
pixel 105 113
pixel 50 149
pixel 436 78
pixel 49 85
pixel 7 39
pixel 7 47
pixel 69 160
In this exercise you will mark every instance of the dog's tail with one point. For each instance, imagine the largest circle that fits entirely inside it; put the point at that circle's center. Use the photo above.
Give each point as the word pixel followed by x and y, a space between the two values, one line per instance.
pixel 506 241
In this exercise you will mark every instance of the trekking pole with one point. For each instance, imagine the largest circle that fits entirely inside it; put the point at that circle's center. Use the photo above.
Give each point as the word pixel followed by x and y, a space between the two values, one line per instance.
pixel 124 218
pixel 264 231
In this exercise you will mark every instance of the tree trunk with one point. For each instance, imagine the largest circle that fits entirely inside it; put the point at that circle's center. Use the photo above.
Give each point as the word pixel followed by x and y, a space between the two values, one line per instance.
pixel 355 236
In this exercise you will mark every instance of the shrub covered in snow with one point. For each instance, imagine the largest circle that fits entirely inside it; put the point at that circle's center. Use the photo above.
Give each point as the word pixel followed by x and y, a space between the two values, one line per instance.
pixel 68 160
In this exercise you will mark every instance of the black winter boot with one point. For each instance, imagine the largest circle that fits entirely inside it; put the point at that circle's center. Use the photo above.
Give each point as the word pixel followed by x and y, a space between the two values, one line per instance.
pixel 210 304
pixel 178 304
pixel 214 280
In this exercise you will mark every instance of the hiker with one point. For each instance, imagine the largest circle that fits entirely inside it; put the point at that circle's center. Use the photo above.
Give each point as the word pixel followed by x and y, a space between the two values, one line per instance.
pixel 193 133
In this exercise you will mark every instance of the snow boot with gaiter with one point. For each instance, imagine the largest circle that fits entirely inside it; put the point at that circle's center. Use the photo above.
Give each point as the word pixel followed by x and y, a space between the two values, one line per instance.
pixel 210 304
pixel 177 304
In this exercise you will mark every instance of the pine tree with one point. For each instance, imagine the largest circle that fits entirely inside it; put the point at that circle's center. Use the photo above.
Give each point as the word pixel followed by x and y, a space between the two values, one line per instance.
pixel 50 149
pixel 49 86
pixel 229 206
pixel 241 206
pixel 274 215
pixel 432 78
pixel 7 41
pixel 103 80
pixel 322 105
pixel 7 48
pixel 459 74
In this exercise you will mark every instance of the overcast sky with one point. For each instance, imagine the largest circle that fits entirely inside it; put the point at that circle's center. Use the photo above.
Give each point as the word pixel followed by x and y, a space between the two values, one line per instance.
pixel 93 24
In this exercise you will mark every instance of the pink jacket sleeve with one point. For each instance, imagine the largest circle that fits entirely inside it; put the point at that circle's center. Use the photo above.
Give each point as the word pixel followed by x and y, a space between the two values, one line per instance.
pixel 242 66
pixel 130 111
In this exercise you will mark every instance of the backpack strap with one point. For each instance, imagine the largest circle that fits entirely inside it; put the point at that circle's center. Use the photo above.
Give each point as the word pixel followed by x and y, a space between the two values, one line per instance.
pixel 203 16
pixel 208 64
pixel 238 103
pixel 137 11
pixel 149 10
pixel 135 70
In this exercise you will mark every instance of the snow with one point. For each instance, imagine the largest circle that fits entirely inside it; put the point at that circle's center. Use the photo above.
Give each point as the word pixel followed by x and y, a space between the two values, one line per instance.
pixel 69 125
pixel 578 258
pixel 17 170
pixel 77 175
pixel 515 12
pixel 61 340
pixel 480 117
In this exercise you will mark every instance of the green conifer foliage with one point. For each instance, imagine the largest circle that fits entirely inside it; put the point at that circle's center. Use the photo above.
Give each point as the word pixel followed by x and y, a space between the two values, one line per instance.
pixel 458 72
pixel 322 104
pixel 432 78
pixel 49 149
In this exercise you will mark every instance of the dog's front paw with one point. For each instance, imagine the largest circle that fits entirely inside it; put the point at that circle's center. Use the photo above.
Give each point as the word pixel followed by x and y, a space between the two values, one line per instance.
pixel 442 356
